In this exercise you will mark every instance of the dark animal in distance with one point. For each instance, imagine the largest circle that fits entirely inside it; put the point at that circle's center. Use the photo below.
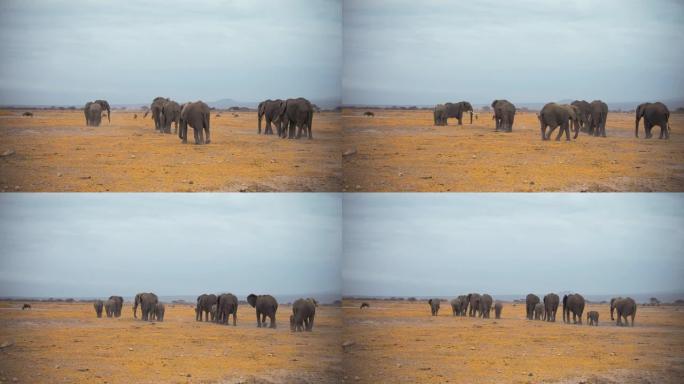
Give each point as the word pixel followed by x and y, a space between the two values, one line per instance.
pixel 369 114
pixel 27 114
pixel 364 305
pixel 26 306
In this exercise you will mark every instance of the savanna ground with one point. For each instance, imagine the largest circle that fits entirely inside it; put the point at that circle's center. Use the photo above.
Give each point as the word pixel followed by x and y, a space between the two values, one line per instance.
pixel 55 151
pixel 399 342
pixel 66 343
pixel 403 151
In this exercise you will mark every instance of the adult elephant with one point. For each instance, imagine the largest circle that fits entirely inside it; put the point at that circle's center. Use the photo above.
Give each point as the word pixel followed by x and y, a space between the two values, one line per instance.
pixel 539 311
pixel 457 110
pixel 197 115
pixel 434 306
pixel 266 306
pixel 597 118
pixel 148 304
pixel 270 110
pixel 497 309
pixel 504 114
pixel 109 307
pixel 573 303
pixel 624 307
pixel 559 115
pixel 98 304
pixel 439 115
pixel 530 302
pixel 485 306
pixel 93 114
pixel 653 114
pixel 226 305
pixel 551 302
pixel 296 114
pixel 473 304
pixel 303 313
pixel 118 304
pixel 584 114
pixel 170 113
pixel 204 304
pixel 457 305
pixel 156 110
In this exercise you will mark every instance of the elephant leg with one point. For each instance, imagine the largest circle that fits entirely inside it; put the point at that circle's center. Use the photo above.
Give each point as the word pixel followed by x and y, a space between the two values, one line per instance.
pixel 273 320
pixel 258 315
pixel 208 135
pixel 268 131
pixel 543 131
pixel 234 319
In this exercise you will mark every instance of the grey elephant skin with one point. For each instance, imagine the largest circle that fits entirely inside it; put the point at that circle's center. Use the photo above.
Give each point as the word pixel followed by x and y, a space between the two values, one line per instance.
pixel 653 114
pixel 156 110
pixel 452 110
pixel 197 115
pixel 573 303
pixel 625 307
pixel 539 311
pixel 551 302
pixel 98 305
pixel 159 311
pixel 473 304
pixel 504 115
pixel 109 306
pixel 434 306
pixel 270 111
pixel 204 304
pixel 90 113
pixel 303 314
pixel 584 114
pixel 530 302
pixel 296 114
pixel 170 113
pixel 498 307
pixel 598 117
pixel 148 303
pixel 266 306
pixel 459 305
pixel 554 116
pixel 226 305
pixel 118 305
pixel 485 305
pixel 593 318
pixel 439 115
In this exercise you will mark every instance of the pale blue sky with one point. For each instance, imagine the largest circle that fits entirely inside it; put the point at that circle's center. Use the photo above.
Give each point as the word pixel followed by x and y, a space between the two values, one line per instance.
pixel 71 51
pixel 84 245
pixel 432 51
pixel 450 244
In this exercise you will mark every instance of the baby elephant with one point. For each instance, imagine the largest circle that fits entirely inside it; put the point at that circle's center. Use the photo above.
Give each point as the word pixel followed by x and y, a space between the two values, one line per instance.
pixel 539 311
pixel 497 310
pixel 592 318
pixel 434 306
pixel 98 304
pixel 159 310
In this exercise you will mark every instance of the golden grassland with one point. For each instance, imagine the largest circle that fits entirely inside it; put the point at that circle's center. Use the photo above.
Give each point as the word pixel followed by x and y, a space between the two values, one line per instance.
pixel 403 151
pixel 399 342
pixel 66 343
pixel 55 151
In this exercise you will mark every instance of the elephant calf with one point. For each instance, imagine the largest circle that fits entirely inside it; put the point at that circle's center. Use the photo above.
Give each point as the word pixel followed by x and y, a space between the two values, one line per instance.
pixel 98 304
pixel 303 313
pixel 539 311
pixel 497 309
pixel 592 318
pixel 159 310
pixel 434 306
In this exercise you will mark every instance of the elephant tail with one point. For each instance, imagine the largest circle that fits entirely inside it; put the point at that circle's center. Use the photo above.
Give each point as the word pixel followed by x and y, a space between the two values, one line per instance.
pixel 310 120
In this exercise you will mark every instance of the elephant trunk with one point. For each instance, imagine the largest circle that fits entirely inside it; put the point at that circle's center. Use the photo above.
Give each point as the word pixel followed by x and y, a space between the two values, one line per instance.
pixel 109 115
pixel 636 127
pixel 471 116
pixel 260 116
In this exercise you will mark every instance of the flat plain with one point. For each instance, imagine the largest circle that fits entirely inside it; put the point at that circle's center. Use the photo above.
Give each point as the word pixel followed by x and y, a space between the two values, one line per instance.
pixel 401 150
pixel 66 343
pixel 55 151
pixel 399 342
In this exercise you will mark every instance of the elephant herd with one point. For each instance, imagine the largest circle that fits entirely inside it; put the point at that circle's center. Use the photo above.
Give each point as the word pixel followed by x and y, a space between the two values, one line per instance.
pixel 217 309
pixel 581 115
pixel 195 114
pixel 477 305
pixel 287 115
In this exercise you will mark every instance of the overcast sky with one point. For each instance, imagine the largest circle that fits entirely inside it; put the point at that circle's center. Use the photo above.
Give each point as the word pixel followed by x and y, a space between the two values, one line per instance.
pixel 425 52
pixel 450 244
pixel 71 51
pixel 86 245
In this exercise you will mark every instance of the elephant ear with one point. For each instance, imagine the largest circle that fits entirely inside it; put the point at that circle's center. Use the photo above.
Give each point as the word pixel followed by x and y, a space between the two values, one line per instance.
pixel 251 299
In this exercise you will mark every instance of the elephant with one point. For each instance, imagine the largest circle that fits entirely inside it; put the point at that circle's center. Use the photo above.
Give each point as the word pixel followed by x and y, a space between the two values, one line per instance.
pixel 156 110
pixel 98 304
pixel 456 110
pixel 364 305
pixel 593 318
pixel 197 115
pixel 109 306
pixel 270 110
pixel 159 310
pixel 266 306
pixel 93 114
pixel 597 118
pixel 118 304
pixel 464 305
pixel 296 113
pixel 439 115
pixel 148 303
pixel 624 307
pixel 26 306
pixel 474 304
pixel 584 109
pixel 369 114
pixel 653 114
pixel 170 113
pixel 504 114
pixel 573 303
pixel 434 306
pixel 539 311
pixel 530 302
pixel 303 313
pixel 555 115
pixel 204 304
pixel 497 309
pixel 485 305
pixel 551 302
pixel 226 305
pixel 458 306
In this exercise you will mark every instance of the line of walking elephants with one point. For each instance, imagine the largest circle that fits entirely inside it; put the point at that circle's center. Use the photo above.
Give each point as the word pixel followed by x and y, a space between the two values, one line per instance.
pixel 217 309
pixel 580 114
pixel 287 115
pixel 476 305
